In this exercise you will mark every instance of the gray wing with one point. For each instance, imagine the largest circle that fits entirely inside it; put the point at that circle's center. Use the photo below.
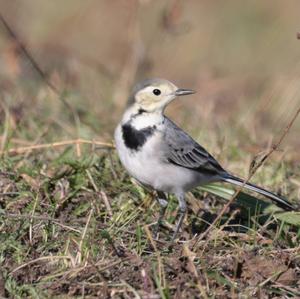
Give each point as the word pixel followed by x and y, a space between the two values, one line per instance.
pixel 184 151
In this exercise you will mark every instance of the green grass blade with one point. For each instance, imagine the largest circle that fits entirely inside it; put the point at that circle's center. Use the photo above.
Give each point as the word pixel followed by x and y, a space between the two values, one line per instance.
pixel 251 205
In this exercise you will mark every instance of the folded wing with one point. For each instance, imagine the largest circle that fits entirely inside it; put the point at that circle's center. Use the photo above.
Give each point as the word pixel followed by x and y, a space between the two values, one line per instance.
pixel 184 151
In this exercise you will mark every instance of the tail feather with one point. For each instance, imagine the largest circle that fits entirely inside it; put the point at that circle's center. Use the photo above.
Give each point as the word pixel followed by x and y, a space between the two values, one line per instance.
pixel 277 199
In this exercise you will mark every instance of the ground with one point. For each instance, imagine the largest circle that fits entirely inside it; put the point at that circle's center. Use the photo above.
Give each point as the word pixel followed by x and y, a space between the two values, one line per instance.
pixel 78 226
pixel 73 224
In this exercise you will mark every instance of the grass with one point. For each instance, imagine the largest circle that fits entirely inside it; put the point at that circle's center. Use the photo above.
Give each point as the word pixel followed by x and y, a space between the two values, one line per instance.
pixel 73 224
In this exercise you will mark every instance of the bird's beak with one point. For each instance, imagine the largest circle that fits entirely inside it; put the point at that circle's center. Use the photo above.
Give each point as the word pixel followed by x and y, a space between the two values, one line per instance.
pixel 184 92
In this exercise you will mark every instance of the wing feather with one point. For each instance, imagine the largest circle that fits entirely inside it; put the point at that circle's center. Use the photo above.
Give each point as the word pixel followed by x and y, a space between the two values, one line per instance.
pixel 184 151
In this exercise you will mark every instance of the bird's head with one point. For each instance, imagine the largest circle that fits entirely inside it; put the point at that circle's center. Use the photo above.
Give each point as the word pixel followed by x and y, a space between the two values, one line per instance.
pixel 154 95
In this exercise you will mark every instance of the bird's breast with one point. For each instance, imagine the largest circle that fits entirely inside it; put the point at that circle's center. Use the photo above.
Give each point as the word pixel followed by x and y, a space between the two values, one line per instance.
pixel 135 139
pixel 137 150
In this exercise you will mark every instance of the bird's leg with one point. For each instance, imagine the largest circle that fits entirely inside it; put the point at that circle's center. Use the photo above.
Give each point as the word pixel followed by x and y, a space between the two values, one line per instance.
pixel 163 203
pixel 182 211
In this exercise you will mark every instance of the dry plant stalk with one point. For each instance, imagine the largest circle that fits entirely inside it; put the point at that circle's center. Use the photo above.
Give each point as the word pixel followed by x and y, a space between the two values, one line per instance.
pixel 192 268
pixel 20 44
pixel 76 142
pixel 43 218
pixel 42 258
pixel 160 269
pixel 252 172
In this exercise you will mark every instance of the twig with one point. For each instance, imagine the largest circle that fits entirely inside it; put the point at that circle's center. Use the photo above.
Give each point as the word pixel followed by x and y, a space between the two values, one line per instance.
pixel 36 66
pixel 254 169
pixel 42 258
pixel 79 253
pixel 44 218
pixel 25 149
pixel 25 51
pixel 106 202
pixel 159 260
pixel 109 265
pixel 78 149
pixel 101 193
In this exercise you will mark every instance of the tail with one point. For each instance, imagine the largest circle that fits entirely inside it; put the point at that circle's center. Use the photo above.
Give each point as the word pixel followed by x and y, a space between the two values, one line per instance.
pixel 278 200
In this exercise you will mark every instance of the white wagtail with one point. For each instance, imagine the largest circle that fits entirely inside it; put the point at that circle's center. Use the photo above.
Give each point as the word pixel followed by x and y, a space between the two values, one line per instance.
pixel 157 153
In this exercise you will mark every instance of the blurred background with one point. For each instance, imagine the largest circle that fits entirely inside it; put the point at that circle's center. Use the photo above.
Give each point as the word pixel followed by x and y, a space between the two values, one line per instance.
pixel 242 57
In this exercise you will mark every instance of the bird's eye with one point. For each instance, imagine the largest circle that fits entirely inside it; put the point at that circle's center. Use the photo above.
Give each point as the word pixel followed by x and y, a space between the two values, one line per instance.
pixel 157 92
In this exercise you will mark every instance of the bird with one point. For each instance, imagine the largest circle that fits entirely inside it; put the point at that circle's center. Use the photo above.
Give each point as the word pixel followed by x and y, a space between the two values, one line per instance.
pixel 160 155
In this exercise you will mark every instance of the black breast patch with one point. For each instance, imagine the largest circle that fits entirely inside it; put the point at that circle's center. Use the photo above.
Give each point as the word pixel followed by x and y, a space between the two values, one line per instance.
pixel 135 139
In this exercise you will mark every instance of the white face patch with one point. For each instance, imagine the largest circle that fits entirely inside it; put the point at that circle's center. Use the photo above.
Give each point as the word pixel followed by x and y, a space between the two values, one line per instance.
pixel 156 97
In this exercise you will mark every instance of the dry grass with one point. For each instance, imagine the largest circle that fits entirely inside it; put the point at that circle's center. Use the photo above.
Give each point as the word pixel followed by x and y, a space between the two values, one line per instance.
pixel 80 227
pixel 72 223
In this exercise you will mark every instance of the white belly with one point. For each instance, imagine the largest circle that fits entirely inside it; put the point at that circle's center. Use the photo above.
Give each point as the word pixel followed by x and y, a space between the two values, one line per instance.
pixel 148 166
